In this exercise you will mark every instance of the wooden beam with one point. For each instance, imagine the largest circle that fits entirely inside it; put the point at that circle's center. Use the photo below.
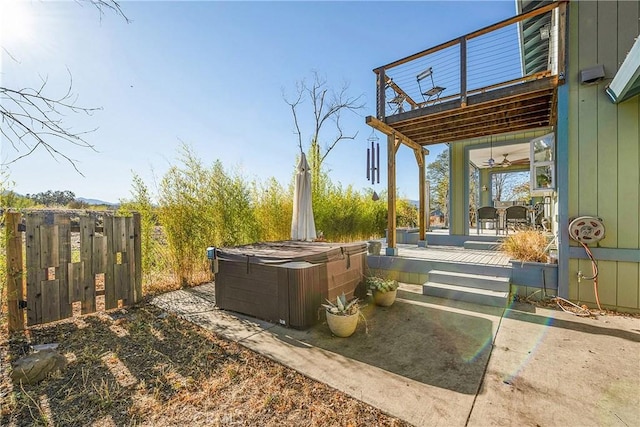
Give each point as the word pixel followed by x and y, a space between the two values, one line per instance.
pixel 429 115
pixel 388 130
pixel 473 117
pixel 417 133
pixel 495 96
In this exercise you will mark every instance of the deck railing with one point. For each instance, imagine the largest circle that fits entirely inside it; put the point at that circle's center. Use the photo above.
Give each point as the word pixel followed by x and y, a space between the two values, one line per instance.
pixel 522 48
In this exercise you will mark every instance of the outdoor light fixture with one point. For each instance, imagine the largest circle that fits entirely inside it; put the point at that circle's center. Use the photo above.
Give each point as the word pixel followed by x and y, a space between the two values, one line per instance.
pixel 592 74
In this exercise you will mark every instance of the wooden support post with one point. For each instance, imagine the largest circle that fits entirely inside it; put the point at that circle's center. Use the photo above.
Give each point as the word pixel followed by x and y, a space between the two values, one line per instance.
pixel 15 293
pixel 562 39
pixel 391 190
pixel 421 211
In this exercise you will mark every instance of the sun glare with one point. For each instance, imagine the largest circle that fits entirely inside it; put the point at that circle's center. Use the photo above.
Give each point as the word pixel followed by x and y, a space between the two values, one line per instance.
pixel 16 21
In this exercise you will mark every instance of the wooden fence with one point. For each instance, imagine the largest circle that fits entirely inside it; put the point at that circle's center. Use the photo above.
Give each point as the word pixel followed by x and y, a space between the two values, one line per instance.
pixel 106 262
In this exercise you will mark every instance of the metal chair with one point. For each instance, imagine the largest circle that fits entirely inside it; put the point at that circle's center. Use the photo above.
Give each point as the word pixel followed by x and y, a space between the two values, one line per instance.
pixel 516 216
pixel 487 214
pixel 538 215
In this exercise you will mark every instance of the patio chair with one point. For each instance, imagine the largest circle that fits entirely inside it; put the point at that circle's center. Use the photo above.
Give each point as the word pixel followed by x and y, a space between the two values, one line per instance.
pixel 517 215
pixel 487 214
pixel 538 215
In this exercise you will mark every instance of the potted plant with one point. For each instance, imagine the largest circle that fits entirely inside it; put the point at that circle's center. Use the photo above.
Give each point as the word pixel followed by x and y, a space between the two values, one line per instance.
pixel 342 316
pixel 533 263
pixel 384 290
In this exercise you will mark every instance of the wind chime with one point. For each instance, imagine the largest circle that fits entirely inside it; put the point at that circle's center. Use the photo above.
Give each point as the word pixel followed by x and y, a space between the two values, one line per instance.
pixel 373 163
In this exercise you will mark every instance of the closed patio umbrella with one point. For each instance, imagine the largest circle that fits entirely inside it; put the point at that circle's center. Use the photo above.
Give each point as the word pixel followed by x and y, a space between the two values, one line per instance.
pixel 302 224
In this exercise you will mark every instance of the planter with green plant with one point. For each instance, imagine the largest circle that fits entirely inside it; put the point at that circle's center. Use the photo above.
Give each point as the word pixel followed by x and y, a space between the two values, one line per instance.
pixel 384 290
pixel 342 316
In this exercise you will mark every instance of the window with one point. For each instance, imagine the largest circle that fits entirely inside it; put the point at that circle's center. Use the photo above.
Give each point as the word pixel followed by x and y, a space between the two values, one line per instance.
pixel 543 155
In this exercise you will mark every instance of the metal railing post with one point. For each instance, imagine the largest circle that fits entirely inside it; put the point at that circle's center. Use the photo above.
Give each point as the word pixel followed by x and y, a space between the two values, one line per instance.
pixel 463 71
pixel 381 83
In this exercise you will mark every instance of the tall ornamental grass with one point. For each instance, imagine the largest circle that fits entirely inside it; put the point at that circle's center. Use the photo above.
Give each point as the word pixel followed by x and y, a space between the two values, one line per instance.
pixel 200 205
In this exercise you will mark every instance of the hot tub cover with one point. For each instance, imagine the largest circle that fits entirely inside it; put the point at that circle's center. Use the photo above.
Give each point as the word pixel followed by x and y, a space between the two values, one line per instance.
pixel 290 251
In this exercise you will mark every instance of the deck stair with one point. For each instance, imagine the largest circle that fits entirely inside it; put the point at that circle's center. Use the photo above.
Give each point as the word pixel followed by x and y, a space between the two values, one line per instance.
pixel 482 245
pixel 468 287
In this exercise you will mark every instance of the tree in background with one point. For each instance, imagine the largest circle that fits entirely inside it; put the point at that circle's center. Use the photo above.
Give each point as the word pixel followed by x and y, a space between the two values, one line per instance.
pixel 52 198
pixel 406 213
pixel 522 191
pixel 438 176
pixel 510 185
pixel 326 107
pixel 32 118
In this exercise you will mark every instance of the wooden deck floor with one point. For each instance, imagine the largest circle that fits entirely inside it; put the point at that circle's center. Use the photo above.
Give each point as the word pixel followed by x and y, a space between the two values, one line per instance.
pixel 454 254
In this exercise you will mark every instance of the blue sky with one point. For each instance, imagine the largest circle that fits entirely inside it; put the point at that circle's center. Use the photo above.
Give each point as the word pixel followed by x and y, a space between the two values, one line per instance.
pixel 211 75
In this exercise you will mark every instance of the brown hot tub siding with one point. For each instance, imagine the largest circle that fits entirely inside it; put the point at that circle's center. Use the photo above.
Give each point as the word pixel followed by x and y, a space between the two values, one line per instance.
pixel 289 293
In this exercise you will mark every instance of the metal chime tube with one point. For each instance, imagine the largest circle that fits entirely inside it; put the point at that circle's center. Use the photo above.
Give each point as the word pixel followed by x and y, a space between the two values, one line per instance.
pixel 368 166
pixel 378 163
pixel 373 163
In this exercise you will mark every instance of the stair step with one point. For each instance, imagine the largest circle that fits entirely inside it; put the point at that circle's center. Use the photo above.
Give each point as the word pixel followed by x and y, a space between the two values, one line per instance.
pixel 462 293
pixel 481 246
pixel 476 281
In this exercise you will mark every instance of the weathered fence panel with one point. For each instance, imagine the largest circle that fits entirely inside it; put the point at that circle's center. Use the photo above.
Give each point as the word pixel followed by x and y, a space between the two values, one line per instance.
pixel 15 288
pixel 56 279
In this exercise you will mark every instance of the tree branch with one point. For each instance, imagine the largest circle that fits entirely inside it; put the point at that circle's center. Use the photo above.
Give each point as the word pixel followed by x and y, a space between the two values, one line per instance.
pixel 325 105
pixel 31 119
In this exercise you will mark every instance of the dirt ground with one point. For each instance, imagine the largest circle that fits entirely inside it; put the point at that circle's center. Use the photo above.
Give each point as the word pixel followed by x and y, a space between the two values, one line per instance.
pixel 140 366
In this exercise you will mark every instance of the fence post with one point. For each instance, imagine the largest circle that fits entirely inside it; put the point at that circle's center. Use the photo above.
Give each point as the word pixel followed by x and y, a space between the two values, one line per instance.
pixel 137 249
pixel 15 292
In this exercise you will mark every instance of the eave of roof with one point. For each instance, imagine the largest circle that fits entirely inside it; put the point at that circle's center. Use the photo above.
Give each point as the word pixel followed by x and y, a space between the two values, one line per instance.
pixel 626 83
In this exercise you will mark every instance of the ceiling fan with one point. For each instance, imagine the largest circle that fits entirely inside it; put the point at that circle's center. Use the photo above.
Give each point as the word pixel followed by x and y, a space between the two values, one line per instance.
pixel 505 163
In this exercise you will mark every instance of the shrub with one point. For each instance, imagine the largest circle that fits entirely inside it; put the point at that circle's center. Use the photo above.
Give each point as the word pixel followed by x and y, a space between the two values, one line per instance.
pixel 528 245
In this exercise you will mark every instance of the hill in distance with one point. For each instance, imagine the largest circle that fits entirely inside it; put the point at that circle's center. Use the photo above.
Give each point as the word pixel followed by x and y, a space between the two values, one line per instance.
pixel 94 201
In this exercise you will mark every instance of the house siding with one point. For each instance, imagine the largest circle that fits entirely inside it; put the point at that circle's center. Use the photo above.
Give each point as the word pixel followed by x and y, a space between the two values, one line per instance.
pixel 604 150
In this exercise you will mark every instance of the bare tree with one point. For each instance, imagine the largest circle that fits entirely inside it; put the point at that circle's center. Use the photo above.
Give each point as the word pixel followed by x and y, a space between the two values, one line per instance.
pixel 327 107
pixel 33 119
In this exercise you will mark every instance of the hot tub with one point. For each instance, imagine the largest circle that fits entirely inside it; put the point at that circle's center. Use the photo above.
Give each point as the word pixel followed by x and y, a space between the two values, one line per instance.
pixel 285 282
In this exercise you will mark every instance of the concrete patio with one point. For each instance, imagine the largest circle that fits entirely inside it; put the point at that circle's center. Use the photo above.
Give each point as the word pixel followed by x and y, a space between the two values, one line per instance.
pixel 432 362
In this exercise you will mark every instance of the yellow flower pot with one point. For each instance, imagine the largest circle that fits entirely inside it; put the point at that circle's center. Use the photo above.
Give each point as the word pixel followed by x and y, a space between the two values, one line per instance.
pixel 342 326
pixel 384 299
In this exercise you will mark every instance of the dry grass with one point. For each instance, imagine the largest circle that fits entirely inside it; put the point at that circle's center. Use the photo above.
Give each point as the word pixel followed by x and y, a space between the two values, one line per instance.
pixel 140 366
pixel 528 245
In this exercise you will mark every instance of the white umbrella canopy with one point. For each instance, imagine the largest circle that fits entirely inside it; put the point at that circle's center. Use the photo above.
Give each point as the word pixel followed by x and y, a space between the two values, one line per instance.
pixel 302 224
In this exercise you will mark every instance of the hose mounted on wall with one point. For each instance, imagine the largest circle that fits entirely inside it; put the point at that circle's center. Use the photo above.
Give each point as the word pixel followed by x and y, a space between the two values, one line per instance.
pixel 587 230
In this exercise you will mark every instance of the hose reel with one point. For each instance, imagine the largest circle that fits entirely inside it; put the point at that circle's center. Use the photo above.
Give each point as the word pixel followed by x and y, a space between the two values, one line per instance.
pixel 586 229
